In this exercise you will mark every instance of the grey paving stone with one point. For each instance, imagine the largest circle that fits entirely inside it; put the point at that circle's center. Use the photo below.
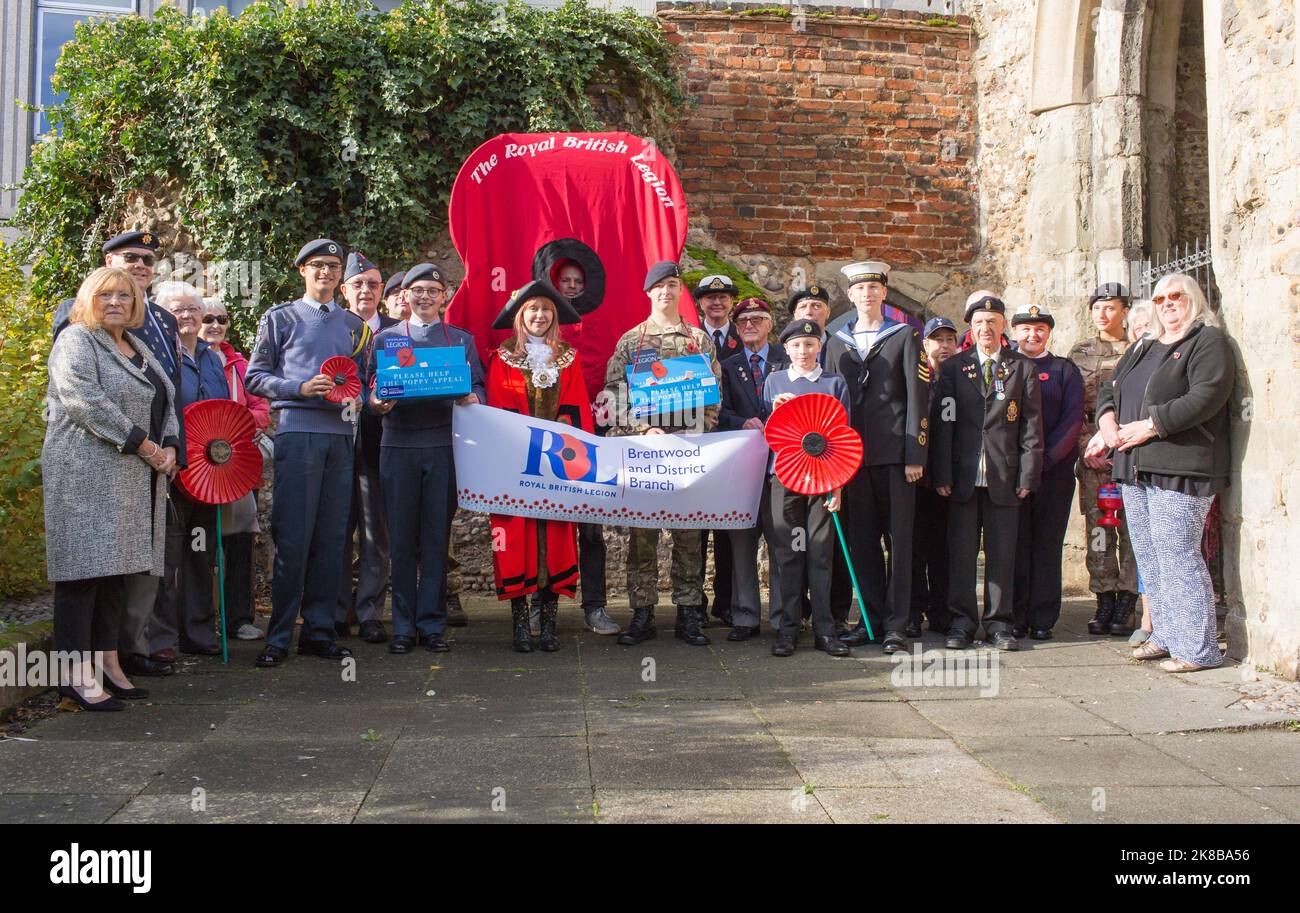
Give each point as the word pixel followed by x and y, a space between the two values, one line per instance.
pixel 497 716
pixel 311 807
pixel 480 806
pixel 142 721
pixel 458 765
pixel 1014 716
pixel 455 685
pixel 1088 761
pixel 669 720
pixel 57 809
pixel 86 767
pixel 1285 799
pixel 1129 678
pixel 699 762
pixel 1159 805
pixel 1191 707
pixel 926 805
pixel 310 723
pixel 863 719
pixel 1250 758
pixel 269 767
pixel 884 762
pixel 710 806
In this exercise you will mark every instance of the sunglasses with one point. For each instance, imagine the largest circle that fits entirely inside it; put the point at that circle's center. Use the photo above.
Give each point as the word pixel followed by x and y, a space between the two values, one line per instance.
pixel 146 259
pixel 215 318
pixel 1172 296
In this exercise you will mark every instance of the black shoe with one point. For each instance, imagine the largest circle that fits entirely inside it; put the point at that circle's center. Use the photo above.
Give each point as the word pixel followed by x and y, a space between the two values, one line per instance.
pixel 1121 623
pixel 832 646
pixel 784 646
pixel 372 632
pixel 135 664
pixel 435 643
pixel 548 641
pixel 522 637
pixel 213 650
pixel 894 642
pixel 456 616
pixel 108 705
pixel 687 627
pixel 1020 631
pixel 724 618
pixel 642 627
pixel 325 649
pixel 913 629
pixel 855 636
pixel 271 657
pixel 957 640
pixel 1041 634
pixel 1004 641
pixel 401 644
pixel 1100 623
pixel 130 694
pixel 742 632
pixel 342 629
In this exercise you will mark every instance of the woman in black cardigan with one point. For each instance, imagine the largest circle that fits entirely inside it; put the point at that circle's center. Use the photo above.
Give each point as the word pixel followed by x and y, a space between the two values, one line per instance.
pixel 1164 415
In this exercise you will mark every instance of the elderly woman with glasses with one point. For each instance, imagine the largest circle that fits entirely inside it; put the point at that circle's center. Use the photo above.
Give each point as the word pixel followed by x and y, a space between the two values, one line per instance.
pixel 1165 417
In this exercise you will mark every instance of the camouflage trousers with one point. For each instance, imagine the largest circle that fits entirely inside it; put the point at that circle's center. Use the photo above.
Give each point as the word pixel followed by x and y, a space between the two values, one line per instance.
pixel 1110 561
pixel 643 567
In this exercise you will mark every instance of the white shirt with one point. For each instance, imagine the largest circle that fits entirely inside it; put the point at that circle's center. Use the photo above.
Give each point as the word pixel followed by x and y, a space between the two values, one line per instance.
pixel 373 322
pixel 981 474
pixel 794 373
pixel 865 339
pixel 415 319
pixel 712 331
pixel 319 304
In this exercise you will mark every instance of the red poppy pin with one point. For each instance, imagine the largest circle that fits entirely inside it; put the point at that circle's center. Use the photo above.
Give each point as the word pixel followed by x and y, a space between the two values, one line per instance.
pixel 658 370
pixel 1178 355
pixel 692 348
pixel 1044 376
pixel 731 343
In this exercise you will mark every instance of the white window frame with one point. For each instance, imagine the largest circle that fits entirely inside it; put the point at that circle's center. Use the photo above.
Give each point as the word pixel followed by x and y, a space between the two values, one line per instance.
pixel 84 7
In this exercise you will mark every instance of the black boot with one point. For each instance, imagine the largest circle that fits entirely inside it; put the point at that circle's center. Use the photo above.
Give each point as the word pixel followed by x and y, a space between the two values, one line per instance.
pixel 549 641
pixel 1121 623
pixel 1100 623
pixel 519 615
pixel 641 628
pixel 688 626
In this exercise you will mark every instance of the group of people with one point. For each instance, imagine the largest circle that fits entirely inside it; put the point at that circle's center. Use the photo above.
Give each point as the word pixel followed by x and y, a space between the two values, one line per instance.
pixel 970 441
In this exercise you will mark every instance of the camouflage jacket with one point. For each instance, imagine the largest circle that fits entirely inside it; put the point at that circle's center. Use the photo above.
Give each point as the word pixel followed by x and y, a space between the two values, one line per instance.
pixel 667 342
pixel 1096 359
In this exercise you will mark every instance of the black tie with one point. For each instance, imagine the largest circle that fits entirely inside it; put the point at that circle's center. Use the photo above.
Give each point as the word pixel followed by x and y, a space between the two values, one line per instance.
pixel 325 310
pixel 755 368
pixel 717 340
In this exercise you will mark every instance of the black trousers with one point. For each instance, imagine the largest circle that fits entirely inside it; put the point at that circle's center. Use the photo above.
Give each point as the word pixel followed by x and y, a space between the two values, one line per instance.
pixel 796 517
pixel 88 613
pixel 1044 516
pixel 1000 528
pixel 238 551
pixel 184 613
pixel 930 560
pixel 591 559
pixel 880 507
pixel 722 566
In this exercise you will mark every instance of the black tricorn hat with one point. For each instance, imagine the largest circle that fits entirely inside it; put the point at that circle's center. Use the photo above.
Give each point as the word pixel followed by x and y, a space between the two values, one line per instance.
pixel 550 257
pixel 564 310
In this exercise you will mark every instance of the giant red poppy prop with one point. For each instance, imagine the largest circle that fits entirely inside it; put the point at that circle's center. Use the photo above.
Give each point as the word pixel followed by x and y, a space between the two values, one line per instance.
pixel 816 453
pixel 342 371
pixel 816 450
pixel 224 463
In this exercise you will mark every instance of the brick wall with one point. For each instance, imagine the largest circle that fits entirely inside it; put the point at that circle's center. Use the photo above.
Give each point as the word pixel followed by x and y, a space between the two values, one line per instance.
pixel 831 135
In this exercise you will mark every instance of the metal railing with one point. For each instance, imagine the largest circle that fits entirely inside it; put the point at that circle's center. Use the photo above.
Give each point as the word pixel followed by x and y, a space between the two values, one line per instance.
pixel 1191 258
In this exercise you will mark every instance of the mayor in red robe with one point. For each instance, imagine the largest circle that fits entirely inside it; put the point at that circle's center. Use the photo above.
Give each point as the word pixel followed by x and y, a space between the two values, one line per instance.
pixel 536 373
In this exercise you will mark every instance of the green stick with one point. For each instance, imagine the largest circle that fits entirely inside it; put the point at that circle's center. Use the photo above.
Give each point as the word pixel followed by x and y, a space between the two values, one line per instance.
pixel 844 547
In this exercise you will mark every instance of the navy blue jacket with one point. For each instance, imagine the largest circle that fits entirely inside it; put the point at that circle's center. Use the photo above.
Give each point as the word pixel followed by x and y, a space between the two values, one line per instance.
pixel 740 400
pixel 202 377
pixel 1061 385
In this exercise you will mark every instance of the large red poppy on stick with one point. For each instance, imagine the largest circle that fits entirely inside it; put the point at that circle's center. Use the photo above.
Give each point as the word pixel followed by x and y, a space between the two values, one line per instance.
pixel 342 371
pixel 224 463
pixel 816 450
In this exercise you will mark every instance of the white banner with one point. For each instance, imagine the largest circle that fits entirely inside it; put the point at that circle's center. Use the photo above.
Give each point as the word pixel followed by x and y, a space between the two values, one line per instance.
pixel 513 464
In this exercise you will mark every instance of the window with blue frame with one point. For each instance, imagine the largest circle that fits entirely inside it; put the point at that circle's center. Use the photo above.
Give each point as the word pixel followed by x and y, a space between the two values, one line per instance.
pixel 55 21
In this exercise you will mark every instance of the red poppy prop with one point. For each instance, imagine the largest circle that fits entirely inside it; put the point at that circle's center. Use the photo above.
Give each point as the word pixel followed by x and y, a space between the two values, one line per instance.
pixel 658 369
pixel 224 465
pixel 816 450
pixel 816 453
pixel 343 372
pixel 406 357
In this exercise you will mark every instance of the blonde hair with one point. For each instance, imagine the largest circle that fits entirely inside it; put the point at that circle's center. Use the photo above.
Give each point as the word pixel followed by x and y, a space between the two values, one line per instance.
pixel 106 279
pixel 1200 306
pixel 1139 309
pixel 552 337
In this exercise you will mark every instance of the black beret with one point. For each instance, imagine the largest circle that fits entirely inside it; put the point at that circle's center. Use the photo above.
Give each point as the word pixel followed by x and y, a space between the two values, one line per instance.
pixel 357 264
pixel 322 246
pixel 813 291
pixel 801 327
pixel 662 270
pixel 1109 290
pixel 145 239
pixel 425 271
pixel 714 284
pixel 550 257
pixel 538 288
pixel 984 303
pixel 394 283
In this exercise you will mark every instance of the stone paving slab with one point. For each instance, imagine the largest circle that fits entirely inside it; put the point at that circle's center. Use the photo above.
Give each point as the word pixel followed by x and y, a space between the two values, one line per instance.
pixel 1190 707
pixel 1161 805
pixel 921 805
pixel 498 716
pixel 52 808
pixel 434 765
pixel 310 723
pixel 699 762
pixel 481 806
pixel 878 719
pixel 710 806
pixel 670 720
pixel 142 722
pixel 274 767
pixel 310 807
pixel 1104 760
pixel 1015 716
pixel 85 767
pixel 1253 758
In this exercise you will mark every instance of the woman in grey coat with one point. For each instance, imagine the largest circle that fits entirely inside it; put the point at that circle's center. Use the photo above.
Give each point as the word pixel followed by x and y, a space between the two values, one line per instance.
pixel 110 449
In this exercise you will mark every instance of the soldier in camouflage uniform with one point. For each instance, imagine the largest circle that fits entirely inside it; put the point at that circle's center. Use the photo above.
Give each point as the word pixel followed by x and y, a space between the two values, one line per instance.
pixel 666 336
pixel 1112 571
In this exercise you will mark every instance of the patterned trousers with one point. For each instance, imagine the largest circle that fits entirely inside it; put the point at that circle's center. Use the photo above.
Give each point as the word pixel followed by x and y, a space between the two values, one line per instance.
pixel 1166 528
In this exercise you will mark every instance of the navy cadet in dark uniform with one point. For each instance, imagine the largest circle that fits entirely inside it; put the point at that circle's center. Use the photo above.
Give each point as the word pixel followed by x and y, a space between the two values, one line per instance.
pixel 136 252
pixel 366 521
pixel 888 376
pixel 930 527
pixel 988 458
pixel 419 473
pixel 1045 514
pixel 395 303
pixel 789 514
pixel 312 493
pixel 743 407
pixel 812 303
pixel 716 294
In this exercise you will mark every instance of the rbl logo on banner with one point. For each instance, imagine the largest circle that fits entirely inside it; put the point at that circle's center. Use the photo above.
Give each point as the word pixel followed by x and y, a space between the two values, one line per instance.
pixel 569 458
